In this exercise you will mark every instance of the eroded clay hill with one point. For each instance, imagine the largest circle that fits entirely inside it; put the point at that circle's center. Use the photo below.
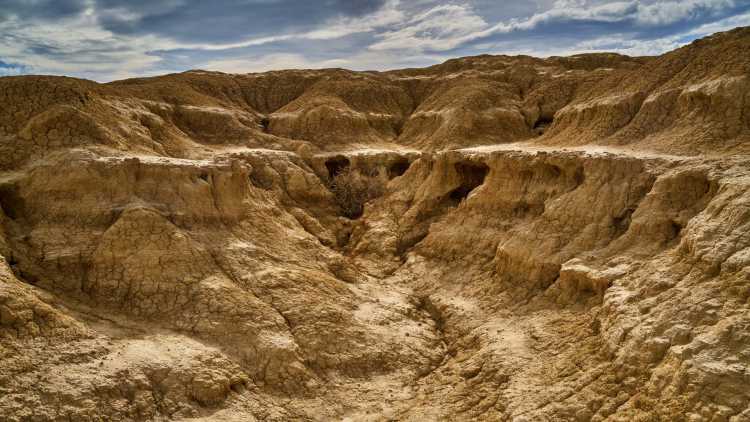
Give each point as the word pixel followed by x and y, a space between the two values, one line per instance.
pixel 492 238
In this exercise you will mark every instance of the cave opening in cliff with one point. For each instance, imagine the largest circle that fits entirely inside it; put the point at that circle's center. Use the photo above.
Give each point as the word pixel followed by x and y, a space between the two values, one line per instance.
pixel 9 202
pixel 674 230
pixel 398 168
pixel 472 175
pixel 621 222
pixel 336 165
pixel 542 124
pixel 265 122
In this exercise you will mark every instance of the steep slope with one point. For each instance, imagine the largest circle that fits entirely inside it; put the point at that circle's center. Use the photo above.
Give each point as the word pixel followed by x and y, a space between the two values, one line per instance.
pixel 692 100
pixel 491 238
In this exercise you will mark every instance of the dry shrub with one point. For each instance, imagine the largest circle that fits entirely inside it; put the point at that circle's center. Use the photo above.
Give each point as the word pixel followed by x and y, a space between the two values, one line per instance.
pixel 353 188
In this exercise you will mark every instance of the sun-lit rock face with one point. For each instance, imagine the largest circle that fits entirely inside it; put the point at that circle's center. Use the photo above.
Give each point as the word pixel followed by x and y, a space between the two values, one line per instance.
pixel 492 238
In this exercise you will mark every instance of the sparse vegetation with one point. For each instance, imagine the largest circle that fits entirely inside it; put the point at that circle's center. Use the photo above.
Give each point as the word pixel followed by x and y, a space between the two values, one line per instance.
pixel 353 188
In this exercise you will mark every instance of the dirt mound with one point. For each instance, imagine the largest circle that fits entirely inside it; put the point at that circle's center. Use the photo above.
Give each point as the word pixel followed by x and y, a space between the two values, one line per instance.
pixel 491 238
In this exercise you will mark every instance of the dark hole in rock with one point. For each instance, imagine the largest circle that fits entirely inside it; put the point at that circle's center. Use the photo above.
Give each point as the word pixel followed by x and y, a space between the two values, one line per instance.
pixel 265 122
pixel 24 276
pixel 541 124
pixel 10 202
pixel 675 229
pixel 336 165
pixel 472 175
pixel 114 215
pixel 621 222
pixel 398 168
pixel 28 278
pixel 204 177
pixel 457 195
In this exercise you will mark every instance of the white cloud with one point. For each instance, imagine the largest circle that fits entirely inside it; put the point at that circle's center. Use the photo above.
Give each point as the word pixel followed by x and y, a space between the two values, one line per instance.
pixel 366 60
pixel 268 62
pixel 668 12
pixel 658 13
pixel 440 28
pixel 621 45
pixel 721 25
pixel 450 26
pixel 79 45
pixel 389 14
pixel 76 45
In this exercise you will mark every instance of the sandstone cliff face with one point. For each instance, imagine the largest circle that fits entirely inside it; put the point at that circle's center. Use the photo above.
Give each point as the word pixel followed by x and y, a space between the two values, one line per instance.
pixel 540 239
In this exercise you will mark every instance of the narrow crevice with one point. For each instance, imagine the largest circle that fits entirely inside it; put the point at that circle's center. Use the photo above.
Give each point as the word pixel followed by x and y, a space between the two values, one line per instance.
pixel 424 304
pixel 641 98
pixel 410 239
pixel 398 127
pixel 343 237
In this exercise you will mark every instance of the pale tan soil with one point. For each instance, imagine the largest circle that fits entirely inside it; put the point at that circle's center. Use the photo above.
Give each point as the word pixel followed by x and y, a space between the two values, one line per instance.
pixel 558 239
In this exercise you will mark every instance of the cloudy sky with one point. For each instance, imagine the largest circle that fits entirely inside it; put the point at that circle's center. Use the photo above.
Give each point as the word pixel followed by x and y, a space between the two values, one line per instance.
pixel 114 39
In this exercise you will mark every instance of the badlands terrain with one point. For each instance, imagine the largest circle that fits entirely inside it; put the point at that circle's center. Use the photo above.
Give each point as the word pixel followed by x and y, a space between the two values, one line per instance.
pixel 492 238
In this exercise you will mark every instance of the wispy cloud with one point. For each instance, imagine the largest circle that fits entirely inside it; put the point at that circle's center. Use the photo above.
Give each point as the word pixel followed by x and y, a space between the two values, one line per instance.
pixel 441 28
pixel 446 27
pixel 270 62
pixel 335 28
pixel 634 12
